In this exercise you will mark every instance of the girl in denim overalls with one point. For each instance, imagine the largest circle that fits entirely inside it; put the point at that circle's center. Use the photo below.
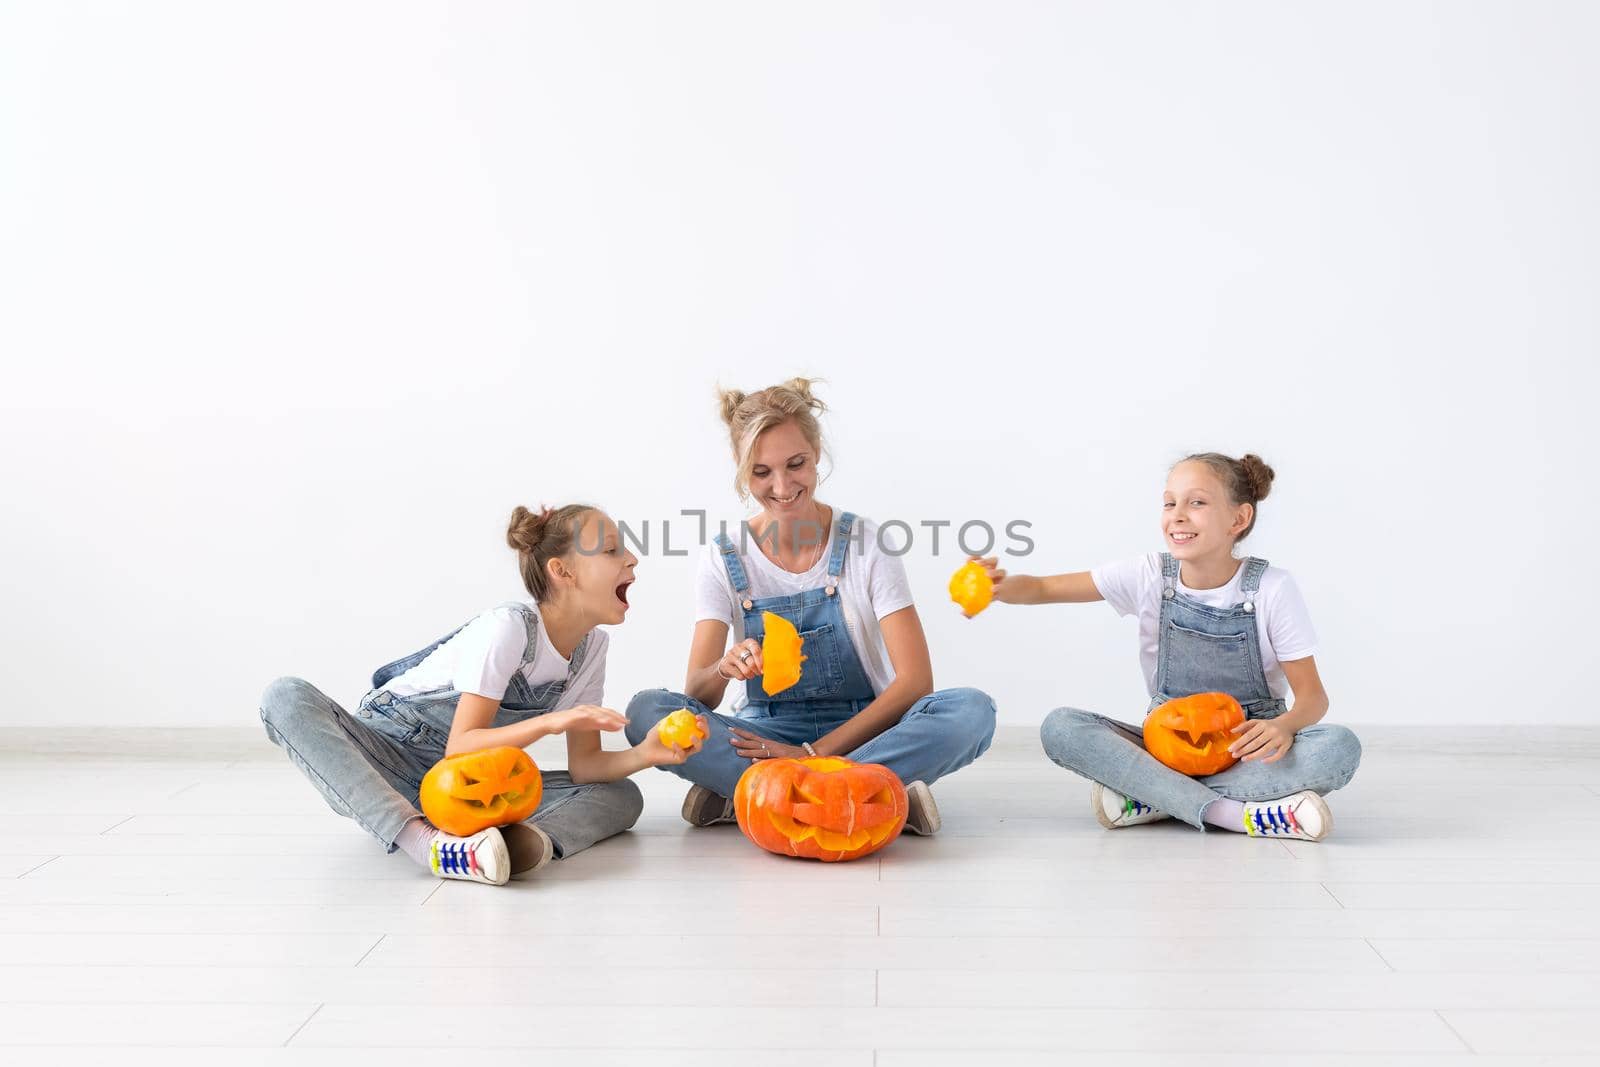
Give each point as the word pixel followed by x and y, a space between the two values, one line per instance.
pixel 1210 622
pixel 508 677
pixel 866 687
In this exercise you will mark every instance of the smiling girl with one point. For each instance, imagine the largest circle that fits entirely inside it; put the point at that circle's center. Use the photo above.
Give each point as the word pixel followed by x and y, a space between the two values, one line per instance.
pixel 1208 622
pixel 509 676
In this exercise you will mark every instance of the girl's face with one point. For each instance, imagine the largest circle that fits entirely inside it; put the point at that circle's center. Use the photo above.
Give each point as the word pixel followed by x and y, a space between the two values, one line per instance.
pixel 1196 515
pixel 784 475
pixel 599 569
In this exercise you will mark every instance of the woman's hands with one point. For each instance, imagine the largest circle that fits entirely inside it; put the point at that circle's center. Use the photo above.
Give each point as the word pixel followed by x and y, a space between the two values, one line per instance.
pixel 1267 740
pixel 741 662
pixel 657 753
pixel 752 747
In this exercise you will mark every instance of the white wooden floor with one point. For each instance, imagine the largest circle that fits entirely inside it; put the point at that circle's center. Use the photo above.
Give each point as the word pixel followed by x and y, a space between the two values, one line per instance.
pixel 166 907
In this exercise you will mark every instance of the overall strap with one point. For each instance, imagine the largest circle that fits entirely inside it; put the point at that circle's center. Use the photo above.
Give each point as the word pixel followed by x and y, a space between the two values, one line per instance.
pixel 1169 576
pixel 531 622
pixel 841 546
pixel 730 560
pixel 1251 586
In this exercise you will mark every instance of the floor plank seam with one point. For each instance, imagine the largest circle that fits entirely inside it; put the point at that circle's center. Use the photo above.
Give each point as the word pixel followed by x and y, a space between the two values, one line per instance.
pixel 1378 954
pixel 114 825
pixel 301 1027
pixel 367 953
pixel 1332 894
pixel 30 870
pixel 1464 1042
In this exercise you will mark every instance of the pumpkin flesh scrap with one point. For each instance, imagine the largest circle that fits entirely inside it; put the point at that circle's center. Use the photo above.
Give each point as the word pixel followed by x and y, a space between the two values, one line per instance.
pixel 780 653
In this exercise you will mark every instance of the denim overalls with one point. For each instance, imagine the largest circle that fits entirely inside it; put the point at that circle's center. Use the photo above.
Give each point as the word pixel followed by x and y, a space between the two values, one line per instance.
pixel 938 734
pixel 833 684
pixel 421 721
pixel 1202 649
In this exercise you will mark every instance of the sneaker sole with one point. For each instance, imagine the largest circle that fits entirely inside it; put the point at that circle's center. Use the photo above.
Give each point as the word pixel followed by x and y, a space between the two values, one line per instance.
pixel 1099 809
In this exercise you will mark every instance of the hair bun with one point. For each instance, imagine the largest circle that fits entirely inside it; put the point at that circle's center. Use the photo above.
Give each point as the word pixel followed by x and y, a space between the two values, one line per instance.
pixel 728 401
pixel 527 528
pixel 1257 475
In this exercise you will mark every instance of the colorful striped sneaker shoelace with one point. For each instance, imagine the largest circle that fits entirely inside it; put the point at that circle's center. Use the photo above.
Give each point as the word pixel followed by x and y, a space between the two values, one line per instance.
pixel 454 858
pixel 1264 820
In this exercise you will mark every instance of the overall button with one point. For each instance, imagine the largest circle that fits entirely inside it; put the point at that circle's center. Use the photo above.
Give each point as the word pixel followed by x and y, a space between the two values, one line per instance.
pixel 748 605
pixel 1166 594
pixel 1249 606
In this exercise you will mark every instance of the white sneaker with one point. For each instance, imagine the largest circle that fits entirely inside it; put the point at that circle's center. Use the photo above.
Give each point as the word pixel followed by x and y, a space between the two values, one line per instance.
pixel 1300 817
pixel 479 858
pixel 1116 811
pixel 922 814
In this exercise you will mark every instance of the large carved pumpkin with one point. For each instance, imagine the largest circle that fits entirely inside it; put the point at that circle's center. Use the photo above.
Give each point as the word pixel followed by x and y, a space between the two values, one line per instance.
pixel 820 808
pixel 971 587
pixel 476 790
pixel 1192 734
pixel 780 653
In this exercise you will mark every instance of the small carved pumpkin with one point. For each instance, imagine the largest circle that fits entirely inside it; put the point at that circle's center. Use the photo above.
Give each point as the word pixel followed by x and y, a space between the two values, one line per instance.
pixel 780 653
pixel 476 790
pixel 971 587
pixel 820 808
pixel 681 728
pixel 1192 734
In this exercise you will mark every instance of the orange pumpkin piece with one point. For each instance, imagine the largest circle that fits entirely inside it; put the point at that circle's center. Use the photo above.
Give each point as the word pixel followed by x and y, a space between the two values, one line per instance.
pixel 780 654
pixel 820 808
pixel 681 728
pixel 971 587
pixel 1192 734
pixel 476 790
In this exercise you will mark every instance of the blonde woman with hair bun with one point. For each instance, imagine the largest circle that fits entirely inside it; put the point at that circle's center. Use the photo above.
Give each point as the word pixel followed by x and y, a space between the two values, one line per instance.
pixel 866 687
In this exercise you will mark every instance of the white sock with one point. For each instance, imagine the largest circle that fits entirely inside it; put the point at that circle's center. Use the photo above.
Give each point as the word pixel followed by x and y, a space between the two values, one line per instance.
pixel 1225 813
pixel 416 839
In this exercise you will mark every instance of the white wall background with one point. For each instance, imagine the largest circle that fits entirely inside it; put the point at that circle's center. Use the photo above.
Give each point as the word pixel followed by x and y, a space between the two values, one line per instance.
pixel 298 300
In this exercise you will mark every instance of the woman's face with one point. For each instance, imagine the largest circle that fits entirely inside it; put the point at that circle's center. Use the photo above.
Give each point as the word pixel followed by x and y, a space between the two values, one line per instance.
pixel 601 570
pixel 1197 517
pixel 784 475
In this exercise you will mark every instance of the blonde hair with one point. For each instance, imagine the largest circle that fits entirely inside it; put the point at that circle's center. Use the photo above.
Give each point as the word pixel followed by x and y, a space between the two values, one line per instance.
pixel 539 537
pixel 749 415
pixel 1247 479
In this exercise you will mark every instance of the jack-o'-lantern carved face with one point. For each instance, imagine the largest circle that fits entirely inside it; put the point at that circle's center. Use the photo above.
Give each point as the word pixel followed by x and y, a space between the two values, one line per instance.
pixel 820 808
pixel 1192 734
pixel 476 790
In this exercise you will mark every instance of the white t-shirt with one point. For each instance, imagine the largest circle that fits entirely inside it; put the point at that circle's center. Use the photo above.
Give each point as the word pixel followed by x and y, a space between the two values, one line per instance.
pixel 484 654
pixel 873 585
pixel 1282 621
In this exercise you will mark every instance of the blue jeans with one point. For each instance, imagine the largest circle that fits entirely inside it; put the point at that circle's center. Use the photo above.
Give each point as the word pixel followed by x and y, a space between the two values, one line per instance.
pixel 1322 759
pixel 941 733
pixel 370 777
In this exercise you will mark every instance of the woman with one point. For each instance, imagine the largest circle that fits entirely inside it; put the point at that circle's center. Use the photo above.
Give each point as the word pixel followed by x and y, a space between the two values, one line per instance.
pixel 866 688
pixel 510 676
